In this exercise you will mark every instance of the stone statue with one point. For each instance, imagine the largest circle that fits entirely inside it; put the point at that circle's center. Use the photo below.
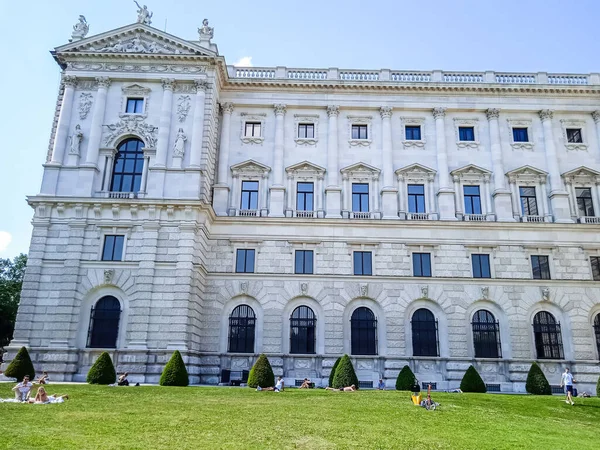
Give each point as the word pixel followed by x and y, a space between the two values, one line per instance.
pixel 80 29
pixel 144 16
pixel 137 46
pixel 206 32
pixel 424 291
pixel 76 139
pixel 178 148
pixel 545 294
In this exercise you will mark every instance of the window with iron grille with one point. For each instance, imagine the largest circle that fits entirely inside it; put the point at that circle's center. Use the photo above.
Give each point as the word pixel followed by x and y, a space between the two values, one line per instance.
pixel 306 130
pixel 548 338
pixel 486 335
pixel 252 129
pixel 303 330
pixel 424 333
pixel 595 262
pixel 244 262
pixel 129 166
pixel 113 248
pixel 540 267
pixel 597 331
pixel 481 266
pixel 416 198
pixel 520 135
pixel 528 201
pixel 574 136
pixel 360 197
pixel 249 195
pixel 466 133
pixel 421 264
pixel 363 330
pixel 242 322
pixel 363 263
pixel 304 262
pixel 104 323
pixel 305 193
pixel 413 132
pixel 135 106
pixel 472 199
pixel 359 132
pixel 585 205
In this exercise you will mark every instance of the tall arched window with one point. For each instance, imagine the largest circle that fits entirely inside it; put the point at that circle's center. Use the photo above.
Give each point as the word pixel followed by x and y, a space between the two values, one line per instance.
pixel 129 166
pixel 597 331
pixel 424 333
pixel 104 323
pixel 302 330
pixel 363 331
pixel 548 339
pixel 241 330
pixel 486 335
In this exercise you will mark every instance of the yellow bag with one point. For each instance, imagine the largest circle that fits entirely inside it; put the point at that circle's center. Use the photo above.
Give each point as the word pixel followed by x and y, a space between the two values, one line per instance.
pixel 416 399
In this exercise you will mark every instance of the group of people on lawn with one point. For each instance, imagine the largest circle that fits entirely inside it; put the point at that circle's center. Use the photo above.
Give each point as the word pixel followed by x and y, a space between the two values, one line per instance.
pixel 23 391
pixel 307 384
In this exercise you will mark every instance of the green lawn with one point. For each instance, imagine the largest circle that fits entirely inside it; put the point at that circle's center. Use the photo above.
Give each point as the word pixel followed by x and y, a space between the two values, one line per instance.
pixel 198 417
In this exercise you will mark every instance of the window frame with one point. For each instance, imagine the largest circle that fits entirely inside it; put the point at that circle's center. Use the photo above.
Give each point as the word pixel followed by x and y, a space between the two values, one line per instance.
pixel 425 349
pixel 471 196
pixel 363 254
pixel 586 200
pixel 305 253
pixel 464 129
pixel 306 119
pixel 416 197
pixel 467 123
pixel 528 197
pixel 572 124
pixel 126 155
pixel 556 348
pixel 596 260
pixel 358 331
pixel 304 194
pixel 479 257
pixel 237 256
pixel 310 323
pixel 521 123
pixel 488 328
pixel 521 129
pixel 531 259
pixel 103 251
pixel 414 268
pixel 103 330
pixel 361 197
pixel 360 121
pixel 137 101
pixel 257 191
pixel 253 320
pixel 258 118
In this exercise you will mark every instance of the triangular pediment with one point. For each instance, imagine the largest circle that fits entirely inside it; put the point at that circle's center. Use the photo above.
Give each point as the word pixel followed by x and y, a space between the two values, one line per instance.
pixel 526 171
pixel 305 166
pixel 581 172
pixel 250 166
pixel 471 169
pixel 415 169
pixel 360 167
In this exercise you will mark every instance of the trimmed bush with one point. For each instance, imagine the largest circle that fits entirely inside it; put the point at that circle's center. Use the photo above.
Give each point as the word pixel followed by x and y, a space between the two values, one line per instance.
pixel 20 366
pixel 103 371
pixel 598 388
pixel 406 379
pixel 261 373
pixel 333 369
pixel 174 373
pixel 344 374
pixel 537 383
pixel 472 382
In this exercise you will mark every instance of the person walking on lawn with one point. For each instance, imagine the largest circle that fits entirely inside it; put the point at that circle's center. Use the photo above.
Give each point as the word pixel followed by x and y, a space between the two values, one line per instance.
pixel 567 380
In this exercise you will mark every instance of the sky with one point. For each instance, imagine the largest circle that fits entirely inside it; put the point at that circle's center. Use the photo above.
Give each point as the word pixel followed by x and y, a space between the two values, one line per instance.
pixel 510 35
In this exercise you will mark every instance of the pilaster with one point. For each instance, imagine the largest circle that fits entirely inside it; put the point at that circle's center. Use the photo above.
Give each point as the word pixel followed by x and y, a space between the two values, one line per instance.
pixel 277 190
pixel 447 207
pixel 162 146
pixel 501 195
pixel 221 189
pixel 64 120
pixel 333 192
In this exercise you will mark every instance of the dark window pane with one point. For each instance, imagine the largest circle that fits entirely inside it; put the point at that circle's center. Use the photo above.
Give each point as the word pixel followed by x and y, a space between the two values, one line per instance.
pixel 299 262
pixel 118 248
pixel 308 261
pixel 466 133
pixel 424 333
pixel 367 269
pixel 528 201
pixel 574 135
pixel 244 261
pixel 250 261
pixel 413 133
pixel 486 335
pixel 359 131
pixel 548 338
pixel 421 264
pixel 595 261
pixel 302 330
pixel 540 267
pixel 585 205
pixel 358 266
pixel 520 135
pixel 363 332
pixel 242 322
pixel 104 323
pixel 481 266
pixel 109 245
pixel 249 197
pixel 135 106
pixel 472 200
pixel 128 166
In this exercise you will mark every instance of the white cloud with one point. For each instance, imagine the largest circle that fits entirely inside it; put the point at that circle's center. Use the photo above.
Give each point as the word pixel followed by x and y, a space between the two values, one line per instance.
pixel 244 61
pixel 5 239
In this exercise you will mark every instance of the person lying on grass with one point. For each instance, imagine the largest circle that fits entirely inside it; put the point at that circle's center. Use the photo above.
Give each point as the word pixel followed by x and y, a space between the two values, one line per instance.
pixel 23 389
pixel 277 388
pixel 123 381
pixel 305 384
pixel 41 397
pixel 351 388
pixel 44 379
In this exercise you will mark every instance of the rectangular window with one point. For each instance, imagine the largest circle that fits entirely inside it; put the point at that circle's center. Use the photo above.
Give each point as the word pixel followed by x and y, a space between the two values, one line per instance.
pixel 481 266
pixel 113 248
pixel 244 262
pixel 528 201
pixel 305 197
pixel 359 132
pixel 304 261
pixel 413 132
pixel 595 261
pixel 540 267
pixel 466 133
pixel 360 197
pixel 421 264
pixel 306 131
pixel 520 135
pixel 574 136
pixel 585 205
pixel 249 195
pixel 252 129
pixel 135 106
pixel 472 200
pixel 362 263
pixel 416 198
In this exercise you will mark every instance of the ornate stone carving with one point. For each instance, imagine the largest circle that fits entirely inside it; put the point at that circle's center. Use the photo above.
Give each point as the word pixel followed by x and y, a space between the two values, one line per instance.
pixel 185 88
pixel 386 112
pixel 136 45
pixel 492 113
pixel 485 292
pixel 333 110
pixel 201 85
pixel 304 288
pixel 144 16
pixel 364 290
pixel 227 108
pixel 103 82
pixel 279 109
pixel 132 125
pixel 80 29
pixel 179 146
pixel 424 291
pixel 142 68
pixel 183 107
pixel 108 275
pixel 168 83
pixel 75 139
pixel 596 116
pixel 439 113
pixel 308 119
pixel 69 80
pixel 244 287
pixel 205 32
pixel 545 294
pixel 85 104
pixel 546 114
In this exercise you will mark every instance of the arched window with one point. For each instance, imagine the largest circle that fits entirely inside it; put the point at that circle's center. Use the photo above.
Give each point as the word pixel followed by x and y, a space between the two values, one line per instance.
pixel 548 340
pixel 104 323
pixel 486 335
pixel 129 166
pixel 597 331
pixel 424 333
pixel 302 330
pixel 241 330
pixel 363 330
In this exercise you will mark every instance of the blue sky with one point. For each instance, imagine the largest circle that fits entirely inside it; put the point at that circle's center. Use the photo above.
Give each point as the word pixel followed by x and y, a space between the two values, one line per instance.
pixel 507 35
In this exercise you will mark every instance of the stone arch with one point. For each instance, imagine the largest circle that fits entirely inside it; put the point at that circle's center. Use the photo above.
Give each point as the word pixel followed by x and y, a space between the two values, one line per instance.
pixel 565 327
pixel 381 323
pixel 319 313
pixel 128 135
pixel 228 308
pixel 439 314
pixel 594 312
pixel 500 316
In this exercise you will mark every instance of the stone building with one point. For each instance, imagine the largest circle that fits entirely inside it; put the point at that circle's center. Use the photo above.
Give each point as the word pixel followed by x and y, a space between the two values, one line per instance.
pixel 435 219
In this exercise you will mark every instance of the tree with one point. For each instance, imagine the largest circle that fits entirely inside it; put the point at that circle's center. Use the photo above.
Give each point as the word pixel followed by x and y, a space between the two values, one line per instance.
pixel 261 373
pixel 344 374
pixel 175 373
pixel 20 366
pixel 103 371
pixel 11 281
pixel 472 381
pixel 406 379
pixel 537 383
pixel 333 369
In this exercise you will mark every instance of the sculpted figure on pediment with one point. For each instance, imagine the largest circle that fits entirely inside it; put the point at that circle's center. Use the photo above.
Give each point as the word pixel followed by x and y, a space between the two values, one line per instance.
pixel 206 32
pixel 80 29
pixel 144 16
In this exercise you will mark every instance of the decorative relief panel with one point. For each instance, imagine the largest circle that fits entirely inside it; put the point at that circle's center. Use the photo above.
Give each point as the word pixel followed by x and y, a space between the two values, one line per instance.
pixel 126 67
pixel 184 104
pixel 413 121
pixel 311 119
pixel 85 104
pixel 260 118
pixel 577 124
pixel 520 123
pixel 360 120
pixel 467 123
pixel 131 125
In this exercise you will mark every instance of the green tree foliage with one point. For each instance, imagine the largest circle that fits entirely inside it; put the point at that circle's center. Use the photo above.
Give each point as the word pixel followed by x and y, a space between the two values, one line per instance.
pixel 175 373
pixel 537 383
pixel 472 382
pixel 406 379
pixel 103 371
pixel 344 374
pixel 333 369
pixel 11 281
pixel 20 366
pixel 261 373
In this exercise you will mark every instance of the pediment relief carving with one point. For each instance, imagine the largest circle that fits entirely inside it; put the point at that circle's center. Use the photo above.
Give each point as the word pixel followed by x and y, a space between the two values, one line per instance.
pixel 305 168
pixel 416 171
pixel 360 168
pixel 250 167
pixel 135 89
pixel 131 126
pixel 582 175
pixel 527 173
pixel 472 172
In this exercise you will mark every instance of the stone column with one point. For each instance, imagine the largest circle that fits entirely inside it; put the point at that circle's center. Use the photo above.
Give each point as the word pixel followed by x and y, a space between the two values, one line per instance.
pixel 319 196
pixel 164 129
pixel 221 189
pixel 541 197
pixel 93 147
pixel 290 205
pixel 430 205
pixel 458 198
pixel 596 117
pixel 389 193
pixel 262 186
pixel 402 199
pixel 109 164
pixel 502 201
pixel 144 180
pixel 64 120
pixel 376 195
pixel 573 197
pixel 333 192
pixel 198 127
pixel 347 206
pixel 559 199
pixel 445 194
pixel 486 196
pixel 277 189
pixel 516 204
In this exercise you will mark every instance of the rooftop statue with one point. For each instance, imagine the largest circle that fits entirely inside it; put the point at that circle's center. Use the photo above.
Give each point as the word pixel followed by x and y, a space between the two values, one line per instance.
pixel 205 32
pixel 144 16
pixel 80 29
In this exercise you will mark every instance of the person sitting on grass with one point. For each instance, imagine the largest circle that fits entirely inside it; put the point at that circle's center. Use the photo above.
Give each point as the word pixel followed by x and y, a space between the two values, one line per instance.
pixel 44 379
pixel 351 388
pixel 23 389
pixel 305 384
pixel 122 381
pixel 41 397
pixel 381 385
pixel 277 388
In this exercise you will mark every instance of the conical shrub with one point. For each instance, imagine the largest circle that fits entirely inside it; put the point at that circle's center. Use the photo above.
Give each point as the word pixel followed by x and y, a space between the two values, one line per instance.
pixel 537 383
pixel 333 369
pixel 344 374
pixel 261 373
pixel 174 373
pixel 20 366
pixel 472 382
pixel 406 379
pixel 103 371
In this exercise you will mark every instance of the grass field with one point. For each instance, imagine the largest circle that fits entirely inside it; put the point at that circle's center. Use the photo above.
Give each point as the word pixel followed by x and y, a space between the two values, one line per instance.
pixel 149 417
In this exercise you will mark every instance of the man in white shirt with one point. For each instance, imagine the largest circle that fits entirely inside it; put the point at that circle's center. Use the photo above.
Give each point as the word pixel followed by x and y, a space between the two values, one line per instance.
pixel 23 389
pixel 279 385
pixel 567 380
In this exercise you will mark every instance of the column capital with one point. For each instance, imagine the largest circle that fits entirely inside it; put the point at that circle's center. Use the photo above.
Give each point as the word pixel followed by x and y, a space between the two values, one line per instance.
pixel 546 114
pixel 103 82
pixel 333 110
pixel 492 113
pixel 168 84
pixel 439 112
pixel 69 80
pixel 201 85
pixel 227 108
pixel 280 109
pixel 596 116
pixel 386 112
